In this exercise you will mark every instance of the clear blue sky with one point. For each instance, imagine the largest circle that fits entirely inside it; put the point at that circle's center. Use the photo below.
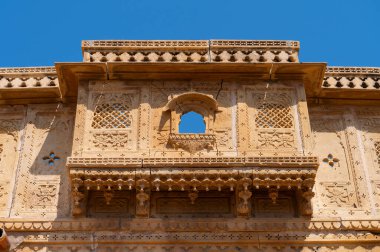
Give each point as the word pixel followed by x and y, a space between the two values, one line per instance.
pixel 41 32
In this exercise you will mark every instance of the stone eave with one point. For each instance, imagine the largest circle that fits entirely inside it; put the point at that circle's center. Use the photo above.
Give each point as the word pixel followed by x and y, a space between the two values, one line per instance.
pixel 71 73
pixel 358 85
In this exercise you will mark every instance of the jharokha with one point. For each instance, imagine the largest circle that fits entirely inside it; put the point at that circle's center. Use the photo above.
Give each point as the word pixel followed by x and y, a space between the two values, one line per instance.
pixel 92 158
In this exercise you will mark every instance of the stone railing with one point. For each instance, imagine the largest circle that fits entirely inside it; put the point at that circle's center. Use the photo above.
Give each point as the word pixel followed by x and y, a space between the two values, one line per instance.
pixel 191 51
pixel 28 77
pixel 361 78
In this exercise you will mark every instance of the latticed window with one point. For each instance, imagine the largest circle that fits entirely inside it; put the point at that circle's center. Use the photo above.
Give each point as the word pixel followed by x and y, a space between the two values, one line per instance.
pixel 111 116
pixel 272 115
pixel 377 151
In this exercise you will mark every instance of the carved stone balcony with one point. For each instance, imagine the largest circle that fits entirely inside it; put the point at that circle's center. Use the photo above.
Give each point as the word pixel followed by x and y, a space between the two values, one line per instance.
pixel 243 175
pixel 192 142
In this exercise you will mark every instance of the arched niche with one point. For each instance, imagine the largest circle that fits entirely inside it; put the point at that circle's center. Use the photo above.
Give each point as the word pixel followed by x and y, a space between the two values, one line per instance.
pixel 200 103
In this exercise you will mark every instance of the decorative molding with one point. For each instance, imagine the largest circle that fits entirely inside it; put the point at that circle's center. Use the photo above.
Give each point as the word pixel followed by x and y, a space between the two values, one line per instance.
pixel 259 161
pixel 196 224
pixel 352 70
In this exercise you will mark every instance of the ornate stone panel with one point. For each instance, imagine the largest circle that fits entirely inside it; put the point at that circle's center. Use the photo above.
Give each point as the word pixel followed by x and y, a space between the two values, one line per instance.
pixel 272 116
pixel 42 183
pixel 112 118
pixel 341 188
pixel 11 120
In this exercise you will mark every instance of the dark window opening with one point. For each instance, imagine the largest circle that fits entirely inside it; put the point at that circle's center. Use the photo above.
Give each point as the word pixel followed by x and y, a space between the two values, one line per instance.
pixel 192 122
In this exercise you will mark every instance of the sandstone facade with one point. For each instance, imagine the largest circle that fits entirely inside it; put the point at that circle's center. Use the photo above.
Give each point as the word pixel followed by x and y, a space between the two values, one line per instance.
pixel 92 159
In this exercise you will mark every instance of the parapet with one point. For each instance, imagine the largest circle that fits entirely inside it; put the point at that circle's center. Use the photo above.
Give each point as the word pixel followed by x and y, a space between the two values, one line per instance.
pixel 191 51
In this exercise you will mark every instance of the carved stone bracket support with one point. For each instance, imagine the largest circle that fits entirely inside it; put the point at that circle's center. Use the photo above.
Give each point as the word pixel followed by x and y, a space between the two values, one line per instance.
pixel 77 197
pixel 243 206
pixel 273 195
pixel 142 206
pixel 143 183
pixel 305 195
pixel 307 209
pixel 193 195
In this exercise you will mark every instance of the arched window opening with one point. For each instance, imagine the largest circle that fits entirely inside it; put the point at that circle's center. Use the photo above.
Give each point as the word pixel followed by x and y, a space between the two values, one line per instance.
pixel 192 122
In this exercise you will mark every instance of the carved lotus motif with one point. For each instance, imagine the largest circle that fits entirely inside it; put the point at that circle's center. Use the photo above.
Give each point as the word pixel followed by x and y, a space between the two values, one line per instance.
pixel 192 142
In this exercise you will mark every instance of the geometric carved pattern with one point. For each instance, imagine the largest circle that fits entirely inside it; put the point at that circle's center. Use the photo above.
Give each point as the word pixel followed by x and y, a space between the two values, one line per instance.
pixel 272 115
pixel 377 151
pixel 111 116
